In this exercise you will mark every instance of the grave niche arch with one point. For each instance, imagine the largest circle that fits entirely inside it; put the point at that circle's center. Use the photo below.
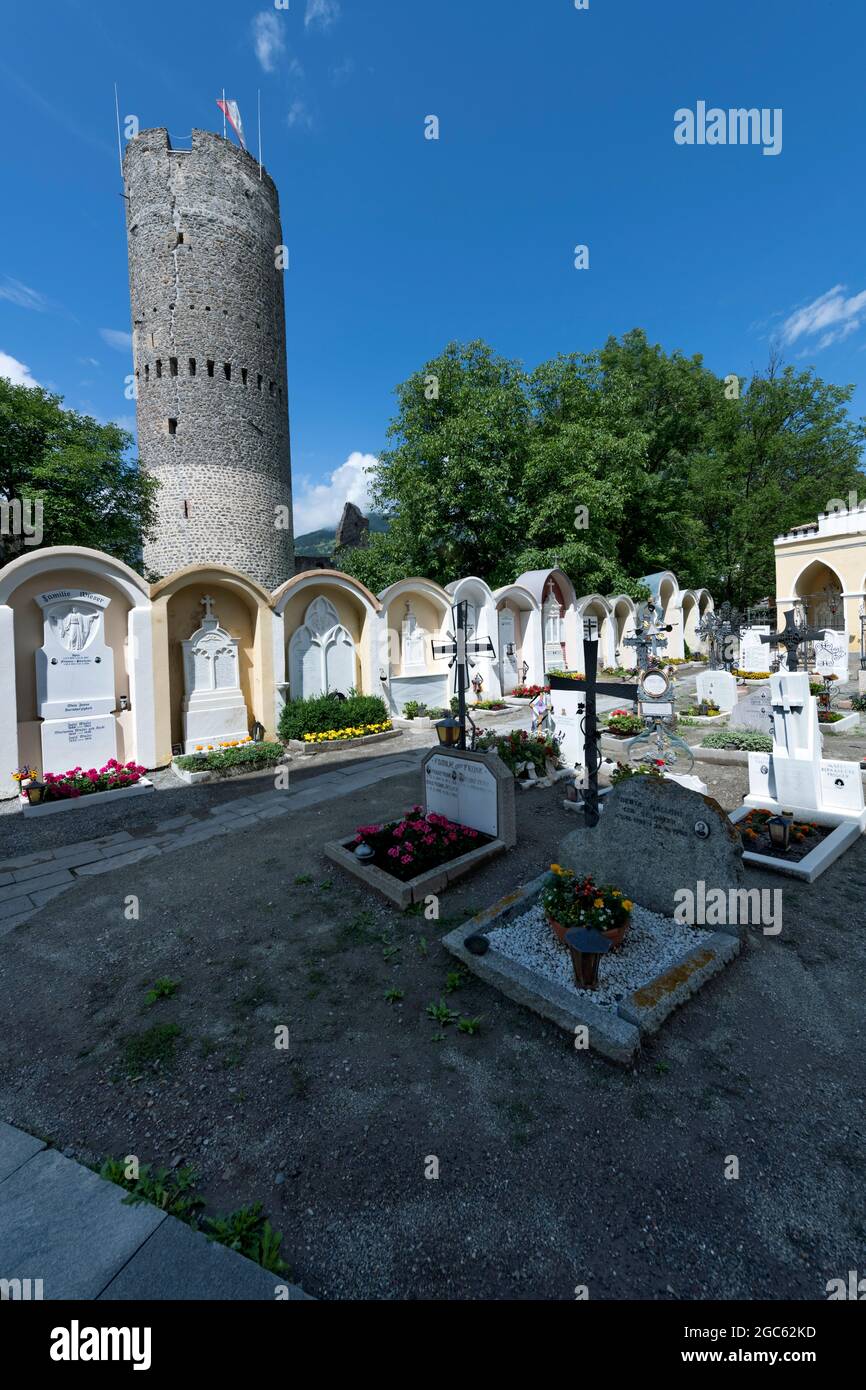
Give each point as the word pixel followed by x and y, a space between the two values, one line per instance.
pixel 321 653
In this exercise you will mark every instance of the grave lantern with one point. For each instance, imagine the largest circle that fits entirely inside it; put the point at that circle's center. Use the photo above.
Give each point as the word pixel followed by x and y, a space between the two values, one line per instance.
pixel 35 791
pixel 587 948
pixel 448 731
pixel 780 831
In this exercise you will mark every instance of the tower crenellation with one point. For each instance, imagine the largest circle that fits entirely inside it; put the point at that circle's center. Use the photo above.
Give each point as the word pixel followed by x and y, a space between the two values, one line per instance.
pixel 209 350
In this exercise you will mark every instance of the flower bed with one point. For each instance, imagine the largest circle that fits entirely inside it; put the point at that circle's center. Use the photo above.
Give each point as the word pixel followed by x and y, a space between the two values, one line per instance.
pixel 742 740
pixel 417 843
pixel 518 747
pixel 326 714
pixel 805 835
pixel 66 789
pixel 336 735
pixel 228 760
pixel 528 692
pixel 621 724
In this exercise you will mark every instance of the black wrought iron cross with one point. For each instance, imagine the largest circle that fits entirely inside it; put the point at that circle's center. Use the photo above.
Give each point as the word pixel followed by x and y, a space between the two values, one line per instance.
pixel 460 652
pixel 791 637
pixel 647 640
pixel 591 688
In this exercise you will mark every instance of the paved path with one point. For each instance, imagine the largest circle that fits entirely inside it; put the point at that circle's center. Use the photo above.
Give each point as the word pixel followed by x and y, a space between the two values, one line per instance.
pixel 31 880
pixel 63 1225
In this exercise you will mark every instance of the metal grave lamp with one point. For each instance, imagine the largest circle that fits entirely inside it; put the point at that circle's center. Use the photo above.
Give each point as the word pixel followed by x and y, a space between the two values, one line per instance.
pixel 35 792
pixel 448 731
pixel 257 732
pixel 780 831
pixel 587 948
pixel 364 853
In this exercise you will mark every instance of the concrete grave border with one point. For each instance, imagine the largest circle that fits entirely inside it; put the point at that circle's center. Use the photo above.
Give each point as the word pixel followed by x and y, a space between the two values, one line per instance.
pixel 75 803
pixel 617 1036
pixel 403 892
pixel 812 865
pixel 309 750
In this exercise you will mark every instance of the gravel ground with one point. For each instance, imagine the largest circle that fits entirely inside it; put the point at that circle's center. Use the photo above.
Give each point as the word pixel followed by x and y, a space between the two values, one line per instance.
pixel 555 1167
pixel 651 944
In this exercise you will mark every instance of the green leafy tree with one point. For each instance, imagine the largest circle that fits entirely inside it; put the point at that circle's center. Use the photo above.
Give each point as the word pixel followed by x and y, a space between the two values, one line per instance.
pixel 91 494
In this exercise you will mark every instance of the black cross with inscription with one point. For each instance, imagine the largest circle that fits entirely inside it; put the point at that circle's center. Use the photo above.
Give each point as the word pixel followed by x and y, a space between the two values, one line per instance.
pixel 460 651
pixel 792 636
pixel 591 688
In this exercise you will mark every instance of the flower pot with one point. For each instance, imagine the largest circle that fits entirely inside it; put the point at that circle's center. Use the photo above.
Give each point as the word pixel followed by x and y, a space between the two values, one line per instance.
pixel 616 935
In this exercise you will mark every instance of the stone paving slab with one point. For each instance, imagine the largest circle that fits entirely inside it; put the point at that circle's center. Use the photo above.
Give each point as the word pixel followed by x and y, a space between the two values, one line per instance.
pixel 33 885
pixel 118 861
pixel 179 1263
pixel 16 1148
pixel 66 1226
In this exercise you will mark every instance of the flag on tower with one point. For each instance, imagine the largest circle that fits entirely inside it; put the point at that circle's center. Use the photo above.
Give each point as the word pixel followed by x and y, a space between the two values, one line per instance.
pixel 232 111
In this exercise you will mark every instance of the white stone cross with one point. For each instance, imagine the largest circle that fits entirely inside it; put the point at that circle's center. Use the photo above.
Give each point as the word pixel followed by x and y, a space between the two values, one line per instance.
pixel 208 606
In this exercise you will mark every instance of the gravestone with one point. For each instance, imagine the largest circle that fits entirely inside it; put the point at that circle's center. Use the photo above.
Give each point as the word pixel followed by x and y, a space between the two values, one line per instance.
pixel 412 636
pixel 753 711
pixel 474 789
pixel 753 655
pixel 717 688
pixel 656 837
pixel 794 776
pixel 75 681
pixel 214 709
pixel 321 653
pixel 831 655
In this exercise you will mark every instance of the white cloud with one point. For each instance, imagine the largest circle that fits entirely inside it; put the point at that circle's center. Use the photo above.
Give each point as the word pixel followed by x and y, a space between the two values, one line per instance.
pixel 268 39
pixel 299 116
pixel 22 295
pixel 831 315
pixel 120 341
pixel 322 12
pixel 319 505
pixel 15 371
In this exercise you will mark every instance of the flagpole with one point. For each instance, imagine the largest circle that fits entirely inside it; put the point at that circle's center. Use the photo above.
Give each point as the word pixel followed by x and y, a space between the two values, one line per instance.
pixel 224 113
pixel 259 104
pixel 119 146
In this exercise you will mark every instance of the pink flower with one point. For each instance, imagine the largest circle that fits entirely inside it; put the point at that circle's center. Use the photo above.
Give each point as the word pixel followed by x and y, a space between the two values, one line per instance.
pixel 394 853
pixel 406 859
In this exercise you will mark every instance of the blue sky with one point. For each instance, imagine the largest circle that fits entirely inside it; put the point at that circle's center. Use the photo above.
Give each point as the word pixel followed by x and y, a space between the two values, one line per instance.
pixel 556 129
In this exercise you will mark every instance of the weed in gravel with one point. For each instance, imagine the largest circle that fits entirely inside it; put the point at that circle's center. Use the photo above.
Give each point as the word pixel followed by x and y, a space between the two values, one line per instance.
pixel 359 930
pixel 441 1013
pixel 153 1047
pixel 161 989
pixel 393 995
pixel 469 1025
pixel 455 979
pixel 301 879
pixel 249 1233
pixel 171 1191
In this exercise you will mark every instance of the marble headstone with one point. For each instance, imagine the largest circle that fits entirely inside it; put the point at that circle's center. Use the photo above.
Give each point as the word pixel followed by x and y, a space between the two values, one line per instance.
pixel 754 655
pixel 474 789
pixel 717 688
pixel 214 709
pixel 753 711
pixel 75 681
pixel 831 655
pixel 655 838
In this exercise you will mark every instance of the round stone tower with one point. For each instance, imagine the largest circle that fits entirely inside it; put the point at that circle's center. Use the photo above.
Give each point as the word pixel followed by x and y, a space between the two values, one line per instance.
pixel 209 352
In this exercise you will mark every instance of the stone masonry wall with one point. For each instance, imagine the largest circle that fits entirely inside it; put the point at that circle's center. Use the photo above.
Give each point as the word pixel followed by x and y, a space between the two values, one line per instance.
pixel 209 348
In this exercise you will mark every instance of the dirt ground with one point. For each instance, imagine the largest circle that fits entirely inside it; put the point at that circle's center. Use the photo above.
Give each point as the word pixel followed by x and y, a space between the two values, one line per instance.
pixel 555 1168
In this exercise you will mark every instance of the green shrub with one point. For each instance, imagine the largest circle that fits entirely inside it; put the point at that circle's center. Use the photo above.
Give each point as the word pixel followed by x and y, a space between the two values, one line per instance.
pixel 251 755
pixel 321 713
pixel 746 740
pixel 859 703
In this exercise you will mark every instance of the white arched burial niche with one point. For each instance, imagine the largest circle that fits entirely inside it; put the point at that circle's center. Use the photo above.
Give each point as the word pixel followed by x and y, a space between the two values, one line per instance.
pixel 819 591
pixel 690 617
pixel 596 611
pixel 481 625
pixel 128 633
pixel 520 647
pixel 624 622
pixel 321 653
pixel 413 613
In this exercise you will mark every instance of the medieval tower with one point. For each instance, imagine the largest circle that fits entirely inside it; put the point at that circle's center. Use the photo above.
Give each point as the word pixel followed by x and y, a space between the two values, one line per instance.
pixel 209 354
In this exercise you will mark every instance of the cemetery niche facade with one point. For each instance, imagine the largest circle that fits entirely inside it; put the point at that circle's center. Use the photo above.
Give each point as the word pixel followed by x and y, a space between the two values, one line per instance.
pixel 100 663
pixel 821 572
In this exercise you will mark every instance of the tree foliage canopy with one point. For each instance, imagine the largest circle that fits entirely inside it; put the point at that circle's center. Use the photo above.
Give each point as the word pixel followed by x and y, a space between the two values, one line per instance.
pixel 488 463
pixel 77 468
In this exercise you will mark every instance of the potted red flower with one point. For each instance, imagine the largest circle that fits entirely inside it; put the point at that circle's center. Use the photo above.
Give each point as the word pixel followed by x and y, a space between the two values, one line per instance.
pixel 570 902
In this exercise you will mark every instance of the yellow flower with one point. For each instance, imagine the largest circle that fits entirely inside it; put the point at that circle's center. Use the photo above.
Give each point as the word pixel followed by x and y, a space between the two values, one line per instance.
pixel 598 902
pixel 615 892
pixel 627 904
pixel 556 869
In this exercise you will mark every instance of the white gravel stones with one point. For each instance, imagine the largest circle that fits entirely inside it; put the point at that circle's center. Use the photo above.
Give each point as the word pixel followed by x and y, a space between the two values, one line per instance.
pixel 652 944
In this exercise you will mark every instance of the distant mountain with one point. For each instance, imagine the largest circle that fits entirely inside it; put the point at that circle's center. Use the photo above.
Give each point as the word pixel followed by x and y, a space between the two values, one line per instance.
pixel 322 542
